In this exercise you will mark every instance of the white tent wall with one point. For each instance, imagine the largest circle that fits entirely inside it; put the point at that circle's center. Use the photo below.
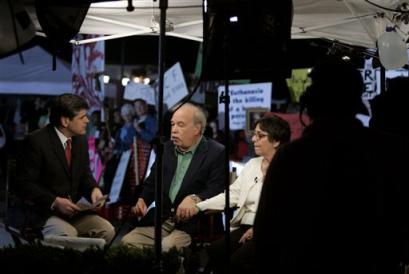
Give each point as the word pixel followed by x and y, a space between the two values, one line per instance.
pixel 35 76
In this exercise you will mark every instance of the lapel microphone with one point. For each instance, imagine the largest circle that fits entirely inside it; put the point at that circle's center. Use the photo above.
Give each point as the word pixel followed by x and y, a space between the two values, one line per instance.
pixel 256 180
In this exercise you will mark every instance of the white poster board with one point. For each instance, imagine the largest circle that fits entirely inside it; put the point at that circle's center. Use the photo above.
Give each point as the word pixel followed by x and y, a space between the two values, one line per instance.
pixel 243 97
pixel 372 82
pixel 152 158
pixel 175 88
pixel 135 91
pixel 119 177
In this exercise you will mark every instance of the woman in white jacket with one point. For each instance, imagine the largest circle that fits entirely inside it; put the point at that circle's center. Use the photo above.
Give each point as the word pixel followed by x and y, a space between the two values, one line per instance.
pixel 269 134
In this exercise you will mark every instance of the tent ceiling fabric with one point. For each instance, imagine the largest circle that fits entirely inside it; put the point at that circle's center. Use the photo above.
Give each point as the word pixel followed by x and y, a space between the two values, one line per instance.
pixel 35 76
pixel 354 22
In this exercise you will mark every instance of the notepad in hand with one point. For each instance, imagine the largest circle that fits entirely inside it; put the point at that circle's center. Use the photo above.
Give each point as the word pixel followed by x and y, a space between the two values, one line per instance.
pixel 84 204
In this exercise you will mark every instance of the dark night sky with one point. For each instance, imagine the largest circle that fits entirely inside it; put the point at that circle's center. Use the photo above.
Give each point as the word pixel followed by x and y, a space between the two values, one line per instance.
pixel 143 50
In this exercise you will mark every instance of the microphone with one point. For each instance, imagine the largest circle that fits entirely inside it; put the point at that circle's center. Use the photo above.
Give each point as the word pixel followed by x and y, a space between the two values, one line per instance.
pixel 256 180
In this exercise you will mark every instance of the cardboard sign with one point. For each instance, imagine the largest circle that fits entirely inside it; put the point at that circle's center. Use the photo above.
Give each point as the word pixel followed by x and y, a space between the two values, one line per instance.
pixel 243 97
pixel 175 88
pixel 372 82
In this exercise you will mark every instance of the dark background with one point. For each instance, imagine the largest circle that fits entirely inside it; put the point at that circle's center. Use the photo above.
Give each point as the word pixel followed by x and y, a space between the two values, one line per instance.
pixel 143 50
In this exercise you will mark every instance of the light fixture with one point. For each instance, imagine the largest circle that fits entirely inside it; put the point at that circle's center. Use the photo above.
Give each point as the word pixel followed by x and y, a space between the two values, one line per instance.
pixel 234 19
pixel 392 49
pixel 136 79
pixel 125 81
pixel 141 79
pixel 106 79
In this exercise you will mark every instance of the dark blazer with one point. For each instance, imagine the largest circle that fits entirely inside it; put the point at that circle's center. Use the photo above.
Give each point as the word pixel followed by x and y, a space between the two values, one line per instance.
pixel 204 177
pixel 334 201
pixel 43 174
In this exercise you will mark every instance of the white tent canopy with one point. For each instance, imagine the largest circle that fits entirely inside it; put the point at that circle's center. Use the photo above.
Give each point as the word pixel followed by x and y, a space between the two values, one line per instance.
pixel 355 22
pixel 35 76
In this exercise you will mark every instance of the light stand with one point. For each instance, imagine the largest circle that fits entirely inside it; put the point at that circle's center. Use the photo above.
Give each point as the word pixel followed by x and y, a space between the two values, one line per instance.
pixel 163 5
pixel 225 98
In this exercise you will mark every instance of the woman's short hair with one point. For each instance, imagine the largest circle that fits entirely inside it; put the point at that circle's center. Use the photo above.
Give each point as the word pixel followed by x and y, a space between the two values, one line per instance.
pixel 276 127
pixel 127 110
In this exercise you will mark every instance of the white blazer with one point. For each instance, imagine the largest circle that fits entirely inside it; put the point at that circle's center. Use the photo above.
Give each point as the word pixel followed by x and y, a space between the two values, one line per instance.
pixel 239 190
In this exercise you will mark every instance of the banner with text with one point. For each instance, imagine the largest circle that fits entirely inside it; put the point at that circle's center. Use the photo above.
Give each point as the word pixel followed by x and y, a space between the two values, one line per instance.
pixel 243 97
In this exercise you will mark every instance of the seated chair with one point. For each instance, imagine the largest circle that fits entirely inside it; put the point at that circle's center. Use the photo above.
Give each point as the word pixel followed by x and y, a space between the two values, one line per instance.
pixel 20 227
pixel 210 227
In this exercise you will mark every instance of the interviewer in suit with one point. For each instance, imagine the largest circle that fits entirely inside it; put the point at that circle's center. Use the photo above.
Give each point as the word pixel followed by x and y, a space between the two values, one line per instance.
pixel 269 134
pixel 47 179
pixel 193 171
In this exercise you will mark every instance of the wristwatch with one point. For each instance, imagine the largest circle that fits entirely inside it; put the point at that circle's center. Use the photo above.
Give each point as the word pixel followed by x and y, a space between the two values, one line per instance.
pixel 195 198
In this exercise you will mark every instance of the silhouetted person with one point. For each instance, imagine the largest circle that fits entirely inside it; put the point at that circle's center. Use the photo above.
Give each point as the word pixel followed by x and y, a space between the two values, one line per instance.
pixel 389 109
pixel 334 200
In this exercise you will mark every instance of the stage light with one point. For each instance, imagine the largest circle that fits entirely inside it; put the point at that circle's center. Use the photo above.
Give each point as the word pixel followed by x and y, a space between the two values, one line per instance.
pixel 246 27
pixel 106 79
pixel 234 19
pixel 147 80
pixel 125 81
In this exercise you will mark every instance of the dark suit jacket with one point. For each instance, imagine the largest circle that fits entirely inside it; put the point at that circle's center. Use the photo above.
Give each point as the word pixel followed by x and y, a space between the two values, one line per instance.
pixel 204 177
pixel 334 201
pixel 43 174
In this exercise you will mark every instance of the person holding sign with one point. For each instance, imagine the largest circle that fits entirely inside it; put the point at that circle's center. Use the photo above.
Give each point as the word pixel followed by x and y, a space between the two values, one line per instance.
pixel 53 173
pixel 193 171
pixel 145 124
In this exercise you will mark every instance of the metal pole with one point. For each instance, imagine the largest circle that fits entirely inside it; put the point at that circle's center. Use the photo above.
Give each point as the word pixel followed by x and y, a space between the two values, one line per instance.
pixel 226 99
pixel 163 5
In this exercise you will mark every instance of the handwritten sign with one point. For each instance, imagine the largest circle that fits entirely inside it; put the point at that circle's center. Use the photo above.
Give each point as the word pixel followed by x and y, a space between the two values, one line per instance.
pixel 135 91
pixel 372 82
pixel 174 85
pixel 243 97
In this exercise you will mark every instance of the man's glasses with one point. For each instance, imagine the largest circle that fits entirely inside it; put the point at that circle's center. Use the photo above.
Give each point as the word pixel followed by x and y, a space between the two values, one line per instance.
pixel 258 135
